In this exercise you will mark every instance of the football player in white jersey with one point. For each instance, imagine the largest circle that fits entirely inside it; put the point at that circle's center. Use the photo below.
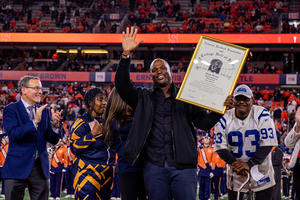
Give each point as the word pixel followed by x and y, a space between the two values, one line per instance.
pixel 244 137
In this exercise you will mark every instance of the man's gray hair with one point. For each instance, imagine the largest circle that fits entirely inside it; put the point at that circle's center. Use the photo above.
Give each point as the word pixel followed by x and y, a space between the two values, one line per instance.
pixel 24 82
pixel 165 63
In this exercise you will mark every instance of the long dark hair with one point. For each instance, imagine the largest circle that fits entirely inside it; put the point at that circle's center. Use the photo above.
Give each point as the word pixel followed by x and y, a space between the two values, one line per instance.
pixel 115 111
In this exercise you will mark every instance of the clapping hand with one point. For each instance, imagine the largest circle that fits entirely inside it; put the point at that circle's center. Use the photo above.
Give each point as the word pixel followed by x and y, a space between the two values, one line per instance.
pixel 38 114
pixel 56 118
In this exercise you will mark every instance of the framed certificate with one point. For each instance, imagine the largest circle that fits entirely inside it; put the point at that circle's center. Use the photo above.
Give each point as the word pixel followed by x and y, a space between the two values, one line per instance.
pixel 212 74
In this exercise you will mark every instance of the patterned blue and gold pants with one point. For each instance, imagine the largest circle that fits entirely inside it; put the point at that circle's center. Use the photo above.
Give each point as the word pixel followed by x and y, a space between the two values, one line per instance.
pixel 93 181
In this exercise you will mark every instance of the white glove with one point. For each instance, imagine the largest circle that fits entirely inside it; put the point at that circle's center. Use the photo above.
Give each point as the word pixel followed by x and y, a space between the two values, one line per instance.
pixel 211 175
pixel 63 170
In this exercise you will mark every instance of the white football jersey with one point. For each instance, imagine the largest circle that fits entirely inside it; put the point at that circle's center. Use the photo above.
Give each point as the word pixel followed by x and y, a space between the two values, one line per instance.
pixel 242 138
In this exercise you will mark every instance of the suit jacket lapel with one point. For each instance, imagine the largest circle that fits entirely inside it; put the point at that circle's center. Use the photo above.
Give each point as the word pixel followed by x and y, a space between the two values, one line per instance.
pixel 23 112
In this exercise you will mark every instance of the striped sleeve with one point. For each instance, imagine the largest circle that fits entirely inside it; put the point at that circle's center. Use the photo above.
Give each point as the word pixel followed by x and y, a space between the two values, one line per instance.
pixel 220 137
pixel 264 113
pixel 81 138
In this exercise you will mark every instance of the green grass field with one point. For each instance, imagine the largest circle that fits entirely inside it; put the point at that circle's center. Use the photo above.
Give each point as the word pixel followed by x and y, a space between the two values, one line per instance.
pixel 64 194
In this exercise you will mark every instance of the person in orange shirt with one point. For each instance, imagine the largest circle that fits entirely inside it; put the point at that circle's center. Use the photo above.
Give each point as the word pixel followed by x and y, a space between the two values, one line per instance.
pixel 218 166
pixel 14 93
pixel 58 167
pixel 286 96
pixel 266 93
pixel 51 30
pixel 11 85
pixel 151 28
pixel 284 115
pixel 198 11
pixel 88 86
pixel 13 23
pixel 3 152
pixel 205 154
pixel 68 175
pixel 184 26
pixel 80 27
pixel 291 97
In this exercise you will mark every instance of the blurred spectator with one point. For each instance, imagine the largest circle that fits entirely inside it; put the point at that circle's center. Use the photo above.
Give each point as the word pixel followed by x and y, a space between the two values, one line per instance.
pixel 241 28
pixel 97 67
pixel 260 101
pixel 6 26
pixel 285 27
pixel 277 113
pixel 62 3
pixel 54 15
pixel 13 23
pixel 4 88
pixel 29 15
pixel 180 68
pixel 259 28
pixel 102 25
pixel 174 68
pixel 278 6
pixel 114 27
pixel 10 85
pixel 184 26
pixel 164 22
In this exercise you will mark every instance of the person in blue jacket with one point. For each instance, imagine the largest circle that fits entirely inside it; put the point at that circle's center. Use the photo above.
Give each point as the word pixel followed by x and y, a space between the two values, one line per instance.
pixel 29 127
pixel 94 159
pixel 118 121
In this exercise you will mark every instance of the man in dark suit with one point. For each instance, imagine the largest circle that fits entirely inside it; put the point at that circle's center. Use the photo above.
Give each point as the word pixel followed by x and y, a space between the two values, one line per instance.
pixel 29 127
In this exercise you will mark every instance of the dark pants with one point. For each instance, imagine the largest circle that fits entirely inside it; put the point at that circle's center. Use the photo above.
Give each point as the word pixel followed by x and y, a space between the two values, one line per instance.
pixel 261 195
pixel 169 183
pixel 116 190
pixel 204 187
pixel 277 191
pixel 296 178
pixel 132 185
pixel 285 186
pixel 2 180
pixel 55 184
pixel 69 180
pixel 216 181
pixel 223 184
pixel 36 183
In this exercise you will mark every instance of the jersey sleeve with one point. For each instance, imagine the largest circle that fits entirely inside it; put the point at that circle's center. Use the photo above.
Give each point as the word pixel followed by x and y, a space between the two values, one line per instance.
pixel 267 130
pixel 220 138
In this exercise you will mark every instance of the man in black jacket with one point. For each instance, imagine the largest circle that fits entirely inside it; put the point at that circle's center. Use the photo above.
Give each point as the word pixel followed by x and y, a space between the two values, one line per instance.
pixel 162 130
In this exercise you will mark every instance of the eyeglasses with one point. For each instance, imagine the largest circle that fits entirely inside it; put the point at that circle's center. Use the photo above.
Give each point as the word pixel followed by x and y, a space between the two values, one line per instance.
pixel 242 98
pixel 36 88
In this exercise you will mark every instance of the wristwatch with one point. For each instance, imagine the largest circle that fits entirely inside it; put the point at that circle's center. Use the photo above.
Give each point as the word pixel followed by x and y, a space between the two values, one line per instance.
pixel 127 56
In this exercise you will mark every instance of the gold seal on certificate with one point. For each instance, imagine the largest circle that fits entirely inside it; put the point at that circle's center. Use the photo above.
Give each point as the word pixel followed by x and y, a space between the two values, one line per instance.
pixel 202 97
pixel 212 74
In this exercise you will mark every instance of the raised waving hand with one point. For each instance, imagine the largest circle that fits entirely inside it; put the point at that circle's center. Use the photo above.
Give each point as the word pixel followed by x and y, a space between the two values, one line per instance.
pixel 129 44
